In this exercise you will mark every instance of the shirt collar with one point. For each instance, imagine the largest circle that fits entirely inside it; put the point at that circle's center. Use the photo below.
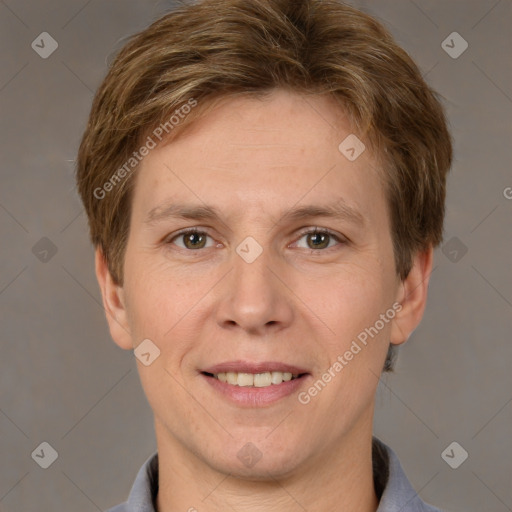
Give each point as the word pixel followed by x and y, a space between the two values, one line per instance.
pixel 392 486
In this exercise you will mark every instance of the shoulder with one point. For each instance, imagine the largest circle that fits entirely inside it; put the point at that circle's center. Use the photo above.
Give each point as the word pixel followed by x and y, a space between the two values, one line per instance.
pixel 144 489
pixel 118 508
pixel 397 493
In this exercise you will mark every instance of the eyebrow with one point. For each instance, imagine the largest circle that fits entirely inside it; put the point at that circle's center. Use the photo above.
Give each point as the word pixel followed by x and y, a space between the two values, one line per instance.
pixel 175 210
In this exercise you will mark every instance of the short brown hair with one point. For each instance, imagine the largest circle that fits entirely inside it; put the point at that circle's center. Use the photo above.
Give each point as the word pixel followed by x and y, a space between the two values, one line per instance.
pixel 213 49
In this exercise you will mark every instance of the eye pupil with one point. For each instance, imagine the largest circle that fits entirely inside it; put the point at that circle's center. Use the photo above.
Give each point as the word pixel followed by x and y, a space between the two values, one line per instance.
pixel 321 238
pixel 192 238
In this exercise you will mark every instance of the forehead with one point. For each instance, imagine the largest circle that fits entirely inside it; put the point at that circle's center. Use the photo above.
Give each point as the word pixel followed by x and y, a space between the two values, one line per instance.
pixel 252 154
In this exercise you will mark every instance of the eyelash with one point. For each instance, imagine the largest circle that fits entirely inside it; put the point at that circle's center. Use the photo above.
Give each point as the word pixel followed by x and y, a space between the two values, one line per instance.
pixel 314 231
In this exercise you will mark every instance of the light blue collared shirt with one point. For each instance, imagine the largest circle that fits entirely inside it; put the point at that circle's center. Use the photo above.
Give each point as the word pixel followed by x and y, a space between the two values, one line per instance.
pixel 397 492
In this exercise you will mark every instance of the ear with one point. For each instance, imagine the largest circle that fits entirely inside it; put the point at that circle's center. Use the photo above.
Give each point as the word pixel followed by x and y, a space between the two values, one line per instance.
pixel 113 303
pixel 413 297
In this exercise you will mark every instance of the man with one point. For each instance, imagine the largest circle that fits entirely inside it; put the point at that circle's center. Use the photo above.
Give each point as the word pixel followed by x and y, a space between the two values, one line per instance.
pixel 265 184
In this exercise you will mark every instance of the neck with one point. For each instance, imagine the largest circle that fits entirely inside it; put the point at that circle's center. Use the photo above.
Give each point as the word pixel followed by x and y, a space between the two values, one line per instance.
pixel 340 479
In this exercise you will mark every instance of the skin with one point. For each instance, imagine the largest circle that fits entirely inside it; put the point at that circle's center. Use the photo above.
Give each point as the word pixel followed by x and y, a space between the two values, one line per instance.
pixel 296 303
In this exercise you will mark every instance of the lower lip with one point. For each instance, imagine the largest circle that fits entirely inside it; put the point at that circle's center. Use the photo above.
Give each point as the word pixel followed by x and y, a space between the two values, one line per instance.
pixel 250 396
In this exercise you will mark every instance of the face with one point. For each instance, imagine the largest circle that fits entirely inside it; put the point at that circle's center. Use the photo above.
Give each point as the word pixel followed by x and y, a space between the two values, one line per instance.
pixel 257 250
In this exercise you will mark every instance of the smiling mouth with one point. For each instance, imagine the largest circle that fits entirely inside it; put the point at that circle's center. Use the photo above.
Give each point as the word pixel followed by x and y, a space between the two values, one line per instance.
pixel 255 380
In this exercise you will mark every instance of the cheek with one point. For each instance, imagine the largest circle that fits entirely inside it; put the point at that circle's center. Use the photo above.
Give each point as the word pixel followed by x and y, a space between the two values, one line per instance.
pixel 360 312
pixel 163 301
pixel 349 301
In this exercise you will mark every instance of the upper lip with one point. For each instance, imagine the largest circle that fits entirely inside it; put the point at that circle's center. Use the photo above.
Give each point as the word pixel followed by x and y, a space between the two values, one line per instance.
pixel 254 367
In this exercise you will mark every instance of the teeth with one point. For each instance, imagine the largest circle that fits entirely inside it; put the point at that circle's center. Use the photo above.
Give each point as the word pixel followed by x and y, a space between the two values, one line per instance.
pixel 262 380
pixel 257 380
pixel 245 379
pixel 231 378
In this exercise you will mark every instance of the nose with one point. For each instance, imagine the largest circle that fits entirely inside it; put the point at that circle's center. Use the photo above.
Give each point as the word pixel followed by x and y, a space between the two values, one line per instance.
pixel 255 297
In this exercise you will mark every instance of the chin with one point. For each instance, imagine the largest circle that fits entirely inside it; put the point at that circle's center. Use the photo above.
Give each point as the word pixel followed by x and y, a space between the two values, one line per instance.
pixel 257 462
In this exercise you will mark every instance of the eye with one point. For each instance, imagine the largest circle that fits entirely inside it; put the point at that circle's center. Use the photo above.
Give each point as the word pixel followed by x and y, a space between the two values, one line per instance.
pixel 192 239
pixel 316 239
pixel 320 239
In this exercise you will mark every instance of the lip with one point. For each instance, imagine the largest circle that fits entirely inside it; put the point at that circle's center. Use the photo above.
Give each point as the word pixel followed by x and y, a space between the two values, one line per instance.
pixel 250 367
pixel 252 397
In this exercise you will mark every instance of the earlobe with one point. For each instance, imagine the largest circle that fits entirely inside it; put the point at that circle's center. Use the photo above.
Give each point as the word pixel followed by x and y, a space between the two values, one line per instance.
pixel 412 297
pixel 114 303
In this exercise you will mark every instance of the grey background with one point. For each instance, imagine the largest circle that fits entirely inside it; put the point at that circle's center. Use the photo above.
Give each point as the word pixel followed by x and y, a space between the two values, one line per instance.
pixel 62 379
